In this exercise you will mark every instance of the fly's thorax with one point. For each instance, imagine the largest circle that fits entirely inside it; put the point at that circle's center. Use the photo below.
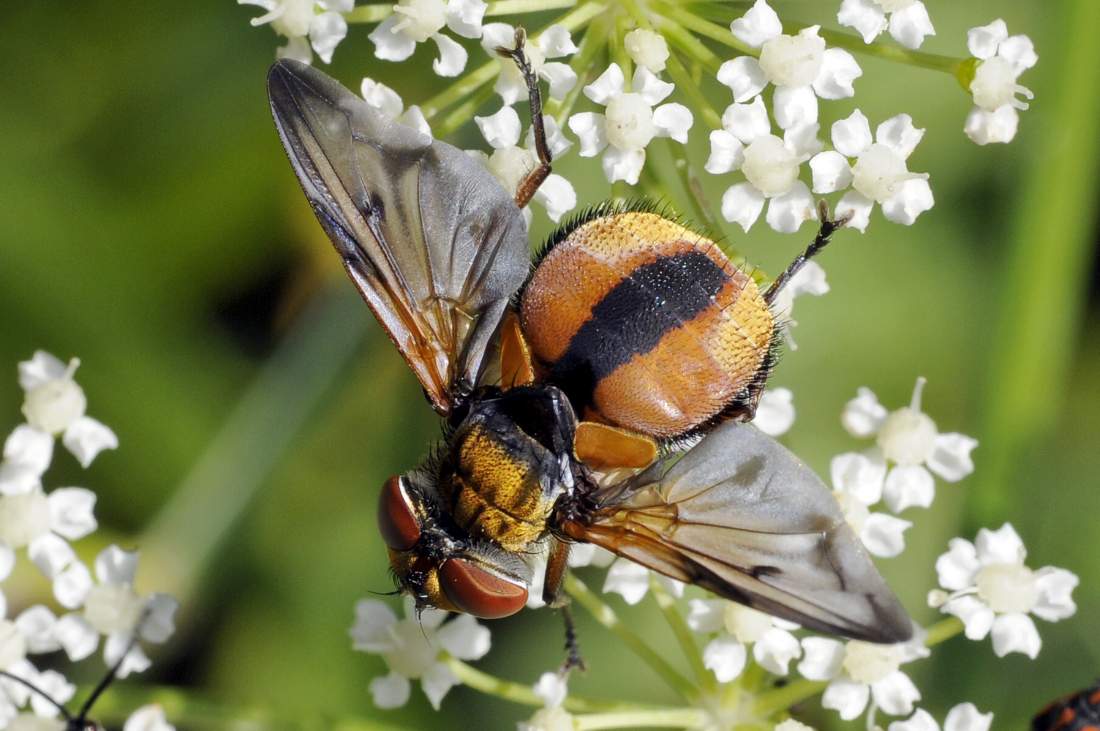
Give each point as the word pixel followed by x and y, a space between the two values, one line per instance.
pixel 646 324
pixel 507 463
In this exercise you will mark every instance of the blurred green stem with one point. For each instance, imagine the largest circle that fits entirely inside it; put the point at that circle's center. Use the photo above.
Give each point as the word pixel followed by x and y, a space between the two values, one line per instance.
pixel 887 51
pixel 184 537
pixel 1044 270
pixel 606 616
pixel 683 634
pixel 658 718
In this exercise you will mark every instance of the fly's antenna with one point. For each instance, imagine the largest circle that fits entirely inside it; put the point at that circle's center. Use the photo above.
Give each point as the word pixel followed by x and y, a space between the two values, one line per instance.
pixel 828 227
pixel 31 686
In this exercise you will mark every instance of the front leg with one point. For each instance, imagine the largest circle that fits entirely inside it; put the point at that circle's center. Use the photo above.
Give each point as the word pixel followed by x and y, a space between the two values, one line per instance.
pixel 557 564
pixel 530 185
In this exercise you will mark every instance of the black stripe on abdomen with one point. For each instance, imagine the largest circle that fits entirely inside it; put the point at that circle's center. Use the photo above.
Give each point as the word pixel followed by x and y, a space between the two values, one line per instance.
pixel 632 318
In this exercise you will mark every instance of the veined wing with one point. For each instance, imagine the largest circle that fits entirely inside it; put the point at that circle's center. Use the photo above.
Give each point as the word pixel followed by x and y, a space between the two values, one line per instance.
pixel 433 243
pixel 741 516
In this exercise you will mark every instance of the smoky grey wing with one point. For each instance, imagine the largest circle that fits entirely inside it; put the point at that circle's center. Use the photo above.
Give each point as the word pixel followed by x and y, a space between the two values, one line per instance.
pixel 741 516
pixel 433 243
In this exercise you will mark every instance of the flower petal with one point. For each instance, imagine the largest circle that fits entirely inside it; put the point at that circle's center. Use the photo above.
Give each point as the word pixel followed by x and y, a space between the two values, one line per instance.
pixel 497 35
pixel 1055 587
pixel 864 415
pixel 36 624
pixel 555 138
pixel 822 658
pixel 623 164
pixel 116 566
pixel 747 121
pixel 1000 546
pixel 787 212
pixel 71 586
pixel 557 196
pixel 437 682
pixel 464 17
pixel 726 154
pixel 7 562
pixel 794 106
pixel 911 25
pixel 136 660
pixel 465 638
pixel 831 172
pixel 758 25
pixel 1016 633
pixel 608 85
pixel 86 438
pixel 51 554
pixel 996 127
pixel 863 16
pixel 555 42
pixel 706 615
pixel 907 486
pixel 839 70
pixel 390 691
pixel 1019 51
pixel 370 632
pixel 775 412
pixel 803 140
pixel 30 447
pixel 389 44
pixel 41 368
pixel 967 717
pixel 951 456
pixel 53 687
pixel 983 40
pixel 743 76
pixel 899 134
pixel 159 621
pixel 957 568
pixel 884 535
pixel 652 90
pixel 673 120
pixel 381 98
pixel 725 657
pixel 627 579
pixel 501 129
pixel 776 650
pixel 859 475
pixel 589 129
pixel 896 694
pixel 148 718
pixel 857 208
pixel 921 720
pixel 914 198
pixel 742 204
pixel 561 78
pixel 846 697
pixel 325 33
pixel 977 618
pixel 71 512
pixel 452 56
pixel 586 554
pixel 414 117
pixel 852 135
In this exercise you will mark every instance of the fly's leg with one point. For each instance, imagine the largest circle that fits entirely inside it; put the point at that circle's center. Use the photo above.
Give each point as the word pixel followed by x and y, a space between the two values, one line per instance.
pixel 530 185
pixel 828 227
pixel 557 563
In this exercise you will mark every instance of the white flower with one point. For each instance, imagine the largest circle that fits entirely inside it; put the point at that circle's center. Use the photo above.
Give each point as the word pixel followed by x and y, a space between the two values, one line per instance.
pixel 773 645
pixel 800 67
pixel 631 581
pixel 553 42
pixel 810 279
pixel 909 439
pixel 1001 60
pixel 388 103
pixel 860 671
pixel 879 173
pixel 770 166
pixel 647 48
pixel 963 717
pixel 112 608
pixel 510 163
pixel 148 718
pixel 908 21
pixel 27 455
pixel 631 119
pixel 858 484
pixel 305 23
pixel 792 725
pixel 44 524
pixel 412 648
pixel 992 591
pixel 416 21
pixel 54 403
pixel 775 412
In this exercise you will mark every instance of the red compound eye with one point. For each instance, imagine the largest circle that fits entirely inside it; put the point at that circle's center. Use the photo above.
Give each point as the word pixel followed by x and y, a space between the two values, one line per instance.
pixel 396 517
pixel 476 591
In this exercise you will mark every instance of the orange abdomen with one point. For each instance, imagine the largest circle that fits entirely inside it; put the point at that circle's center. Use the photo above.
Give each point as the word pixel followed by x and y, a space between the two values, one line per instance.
pixel 645 324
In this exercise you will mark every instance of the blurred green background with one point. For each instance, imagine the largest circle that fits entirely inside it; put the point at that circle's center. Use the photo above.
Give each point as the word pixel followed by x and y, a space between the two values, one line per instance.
pixel 150 224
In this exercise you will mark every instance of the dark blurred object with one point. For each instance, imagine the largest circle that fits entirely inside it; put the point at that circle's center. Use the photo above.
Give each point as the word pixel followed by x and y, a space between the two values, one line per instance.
pixel 1077 712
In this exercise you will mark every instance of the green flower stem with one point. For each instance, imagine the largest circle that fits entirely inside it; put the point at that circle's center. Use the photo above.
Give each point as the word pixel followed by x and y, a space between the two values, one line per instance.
pixel 375 13
pixel 369 13
pixel 888 51
pixel 657 718
pixel 606 616
pixel 943 630
pixel 704 677
pixel 463 113
pixel 708 29
pixel 524 695
pixel 689 44
pixel 684 83
pixel 471 82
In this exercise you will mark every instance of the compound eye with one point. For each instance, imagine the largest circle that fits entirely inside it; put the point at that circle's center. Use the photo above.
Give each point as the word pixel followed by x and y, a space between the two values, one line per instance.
pixel 478 592
pixel 396 517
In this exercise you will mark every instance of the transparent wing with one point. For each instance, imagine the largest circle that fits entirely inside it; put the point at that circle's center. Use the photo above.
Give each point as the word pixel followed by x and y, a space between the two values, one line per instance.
pixel 434 244
pixel 741 516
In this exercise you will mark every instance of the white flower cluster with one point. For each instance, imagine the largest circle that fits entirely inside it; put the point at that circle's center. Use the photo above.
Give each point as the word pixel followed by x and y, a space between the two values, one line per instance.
pixel 44 522
pixel 1001 59
pixel 308 25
